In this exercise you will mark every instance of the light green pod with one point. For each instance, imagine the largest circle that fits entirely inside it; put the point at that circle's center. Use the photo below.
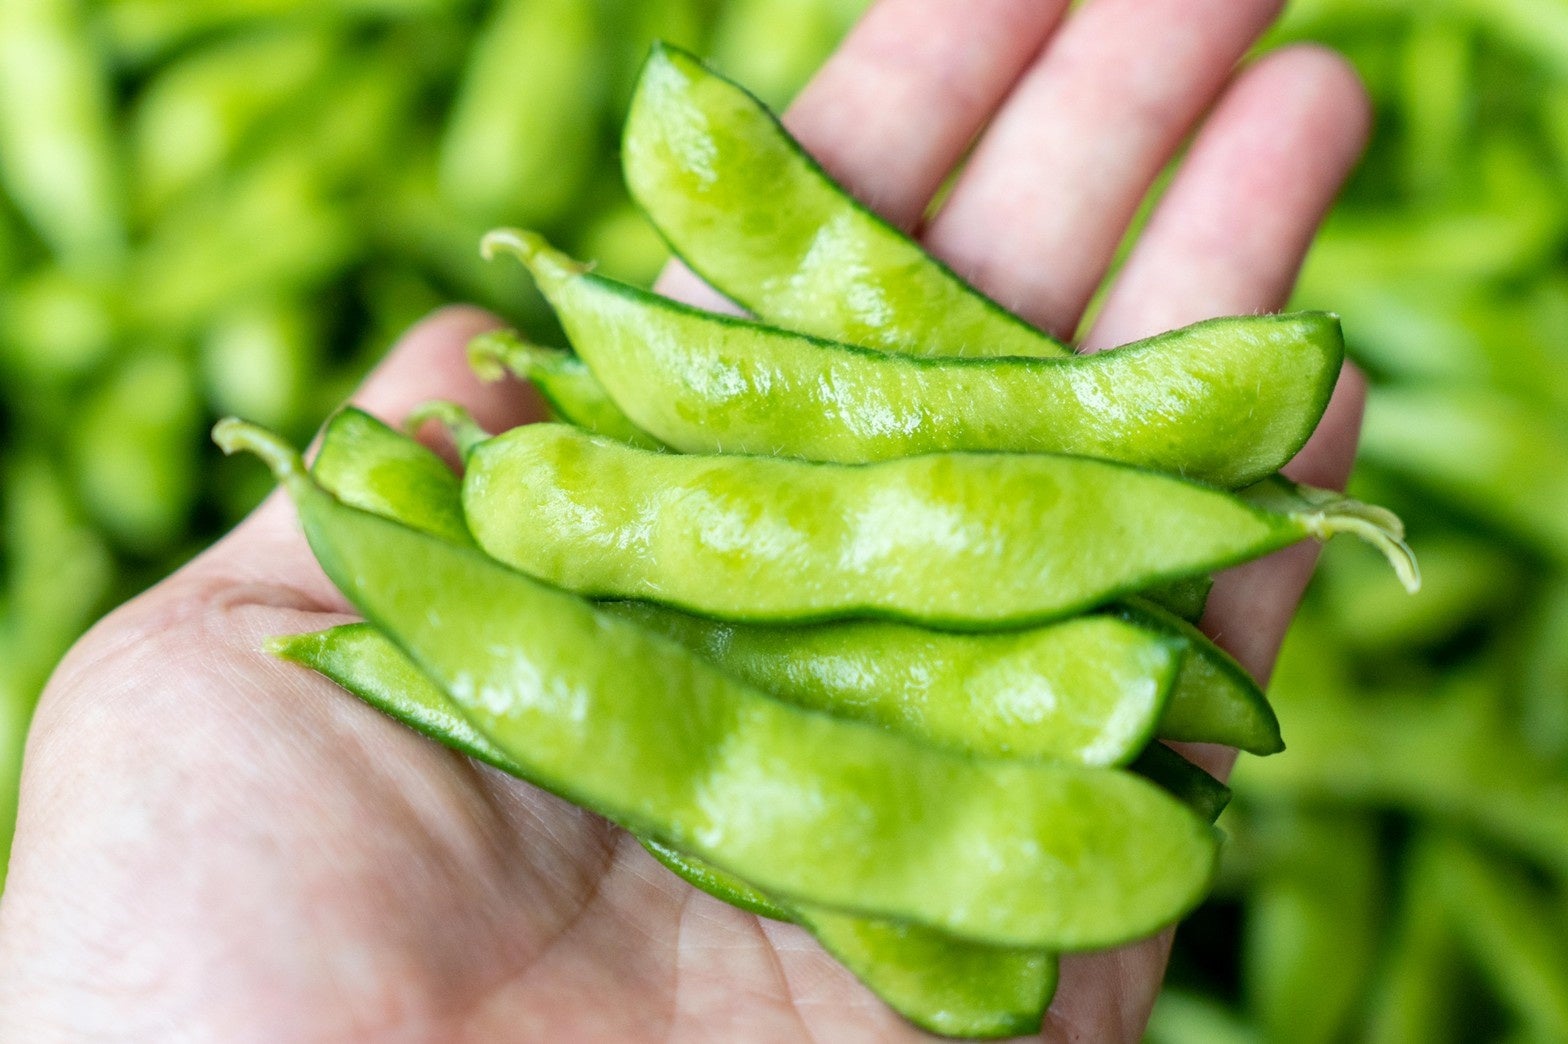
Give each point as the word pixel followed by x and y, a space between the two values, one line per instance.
pixel 1020 694
pixel 1185 598
pixel 1090 690
pixel 370 466
pixel 1214 699
pixel 962 541
pixel 801 804
pixel 522 132
pixel 1225 402
pixel 750 211
pixel 941 983
pixel 715 882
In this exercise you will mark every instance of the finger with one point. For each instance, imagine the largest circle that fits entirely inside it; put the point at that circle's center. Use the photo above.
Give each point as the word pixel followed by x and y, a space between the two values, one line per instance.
pixel 1251 606
pixel 429 362
pixel 1107 996
pixel 1036 216
pixel 893 110
pixel 1230 234
pixel 1229 238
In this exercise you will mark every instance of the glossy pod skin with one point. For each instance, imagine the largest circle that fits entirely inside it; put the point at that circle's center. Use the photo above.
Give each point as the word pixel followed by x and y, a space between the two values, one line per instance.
pixel 965 689
pixel 940 983
pixel 750 211
pixel 964 541
pixel 810 807
pixel 576 397
pixel 1214 699
pixel 569 388
pixel 973 691
pixel 370 466
pixel 1090 690
pixel 367 664
pixel 1225 402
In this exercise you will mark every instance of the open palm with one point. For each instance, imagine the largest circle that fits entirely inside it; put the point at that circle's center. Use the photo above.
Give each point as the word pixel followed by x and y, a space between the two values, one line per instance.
pixel 213 844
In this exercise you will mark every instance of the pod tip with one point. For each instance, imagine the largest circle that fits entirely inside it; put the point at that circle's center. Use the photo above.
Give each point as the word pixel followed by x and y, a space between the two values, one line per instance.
pixel 547 264
pixel 487 355
pixel 460 425
pixel 239 436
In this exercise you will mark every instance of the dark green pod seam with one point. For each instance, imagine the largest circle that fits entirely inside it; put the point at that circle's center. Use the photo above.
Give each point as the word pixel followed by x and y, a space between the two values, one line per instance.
pixel 748 209
pixel 1214 699
pixel 1227 401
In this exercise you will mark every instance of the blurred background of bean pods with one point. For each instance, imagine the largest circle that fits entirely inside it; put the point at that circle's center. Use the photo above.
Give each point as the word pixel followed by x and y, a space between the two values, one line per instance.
pixel 215 206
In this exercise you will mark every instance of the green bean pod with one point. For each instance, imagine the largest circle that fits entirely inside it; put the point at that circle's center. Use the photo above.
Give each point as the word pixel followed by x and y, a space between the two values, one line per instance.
pixel 750 211
pixel 813 808
pixel 366 463
pixel 1061 690
pixel 965 541
pixel 941 983
pixel 1226 401
pixel 575 396
pixel 370 466
pixel 1090 689
pixel 1214 699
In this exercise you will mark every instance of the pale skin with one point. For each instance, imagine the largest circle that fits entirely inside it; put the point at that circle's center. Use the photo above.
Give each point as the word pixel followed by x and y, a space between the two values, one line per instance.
pixel 215 845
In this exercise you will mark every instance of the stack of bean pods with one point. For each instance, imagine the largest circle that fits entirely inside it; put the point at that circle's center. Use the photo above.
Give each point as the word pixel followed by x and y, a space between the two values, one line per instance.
pixel 870 620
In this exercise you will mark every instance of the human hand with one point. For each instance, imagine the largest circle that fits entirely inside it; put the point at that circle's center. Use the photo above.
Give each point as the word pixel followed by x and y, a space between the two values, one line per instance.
pixel 215 844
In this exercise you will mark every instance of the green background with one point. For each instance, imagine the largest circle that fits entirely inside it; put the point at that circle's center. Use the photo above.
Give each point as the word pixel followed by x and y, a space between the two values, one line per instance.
pixel 216 206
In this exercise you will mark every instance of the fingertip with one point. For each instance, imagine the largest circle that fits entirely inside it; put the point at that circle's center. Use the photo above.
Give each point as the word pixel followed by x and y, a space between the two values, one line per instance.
pixel 1330 85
